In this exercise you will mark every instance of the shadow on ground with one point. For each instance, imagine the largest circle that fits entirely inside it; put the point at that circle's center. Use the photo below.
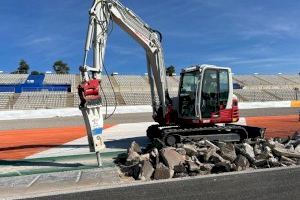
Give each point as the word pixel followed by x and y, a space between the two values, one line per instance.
pixel 51 163
pixel 42 146
pixel 124 143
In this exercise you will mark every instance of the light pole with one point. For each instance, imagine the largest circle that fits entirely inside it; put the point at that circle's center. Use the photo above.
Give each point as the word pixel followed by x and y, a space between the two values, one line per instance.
pixel 296 92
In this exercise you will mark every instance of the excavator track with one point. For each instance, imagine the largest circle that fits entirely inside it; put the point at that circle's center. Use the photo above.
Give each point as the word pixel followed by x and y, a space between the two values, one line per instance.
pixel 171 135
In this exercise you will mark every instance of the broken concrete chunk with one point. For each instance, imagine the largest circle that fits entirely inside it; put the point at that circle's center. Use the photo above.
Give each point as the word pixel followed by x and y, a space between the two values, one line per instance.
pixel 266 153
pixel 274 162
pixel 132 158
pixel 146 170
pixel 145 157
pixel 179 168
pixel 290 147
pixel 297 149
pixel 202 150
pixel 249 150
pixel 133 170
pixel 180 175
pixel 163 172
pixel 210 152
pixel 216 158
pixel 240 150
pixel 135 147
pixel 195 159
pixel 282 140
pixel 286 152
pixel 272 144
pixel 233 167
pixel 191 150
pixel 241 163
pixel 221 167
pixel 228 152
pixel 205 157
pixel 206 168
pixel 262 163
pixel 193 167
pixel 154 156
pixel 257 149
pixel 181 151
pixel 212 145
pixel 171 157
pixel 287 160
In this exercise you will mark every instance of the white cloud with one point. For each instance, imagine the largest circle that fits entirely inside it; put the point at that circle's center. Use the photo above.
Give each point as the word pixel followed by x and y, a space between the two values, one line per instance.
pixel 268 61
pixel 38 41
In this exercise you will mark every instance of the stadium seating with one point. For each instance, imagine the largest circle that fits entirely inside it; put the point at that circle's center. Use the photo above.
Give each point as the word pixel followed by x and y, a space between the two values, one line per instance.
pixel 284 94
pixel 254 95
pixel 4 100
pixel 136 98
pixel 275 80
pixel 130 81
pixel 35 100
pixel 6 79
pixel 60 79
pixel 293 78
pixel 249 80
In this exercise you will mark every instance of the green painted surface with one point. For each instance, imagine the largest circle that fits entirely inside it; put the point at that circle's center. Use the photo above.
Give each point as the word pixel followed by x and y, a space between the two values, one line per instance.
pixel 10 168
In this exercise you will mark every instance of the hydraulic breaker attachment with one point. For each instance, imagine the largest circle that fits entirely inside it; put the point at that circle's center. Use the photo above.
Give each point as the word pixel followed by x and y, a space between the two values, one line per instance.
pixel 88 91
pixel 90 104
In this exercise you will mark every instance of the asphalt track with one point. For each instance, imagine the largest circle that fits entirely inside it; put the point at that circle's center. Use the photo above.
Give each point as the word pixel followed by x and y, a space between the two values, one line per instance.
pixel 125 118
pixel 272 184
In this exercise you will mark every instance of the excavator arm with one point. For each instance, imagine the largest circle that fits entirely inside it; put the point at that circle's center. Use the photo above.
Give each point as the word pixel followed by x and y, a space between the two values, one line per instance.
pixel 102 13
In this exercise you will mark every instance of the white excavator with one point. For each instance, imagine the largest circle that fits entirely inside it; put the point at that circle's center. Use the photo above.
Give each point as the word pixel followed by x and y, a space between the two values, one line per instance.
pixel 204 108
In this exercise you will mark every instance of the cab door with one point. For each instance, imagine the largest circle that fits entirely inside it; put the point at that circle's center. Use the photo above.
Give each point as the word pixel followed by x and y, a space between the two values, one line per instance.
pixel 214 92
pixel 189 85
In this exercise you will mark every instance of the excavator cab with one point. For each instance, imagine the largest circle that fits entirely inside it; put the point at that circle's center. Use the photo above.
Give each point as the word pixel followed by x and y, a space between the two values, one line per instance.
pixel 204 94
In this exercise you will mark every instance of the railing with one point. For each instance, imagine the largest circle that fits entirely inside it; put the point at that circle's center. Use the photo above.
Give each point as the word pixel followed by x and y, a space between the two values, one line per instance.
pixel 7 89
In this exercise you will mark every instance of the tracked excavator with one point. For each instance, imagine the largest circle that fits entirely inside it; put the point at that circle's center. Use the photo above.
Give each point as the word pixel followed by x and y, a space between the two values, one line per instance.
pixel 205 107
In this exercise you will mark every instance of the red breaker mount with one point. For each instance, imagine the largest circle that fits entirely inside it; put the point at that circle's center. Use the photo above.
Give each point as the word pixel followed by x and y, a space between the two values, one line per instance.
pixel 88 92
pixel 90 106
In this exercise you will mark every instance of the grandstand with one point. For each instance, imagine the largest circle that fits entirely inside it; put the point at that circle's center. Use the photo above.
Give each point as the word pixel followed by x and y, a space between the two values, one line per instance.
pixel 8 79
pixel 22 91
pixel 37 100
pixel 254 95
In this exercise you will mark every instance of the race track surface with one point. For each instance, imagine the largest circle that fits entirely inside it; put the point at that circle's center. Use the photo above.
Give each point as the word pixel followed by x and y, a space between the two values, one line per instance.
pixel 23 138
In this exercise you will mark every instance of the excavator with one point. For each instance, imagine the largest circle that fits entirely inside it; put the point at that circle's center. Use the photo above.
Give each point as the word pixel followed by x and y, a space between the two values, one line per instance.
pixel 205 107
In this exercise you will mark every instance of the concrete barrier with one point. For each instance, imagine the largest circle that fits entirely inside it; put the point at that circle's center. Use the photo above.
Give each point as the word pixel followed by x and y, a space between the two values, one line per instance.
pixel 265 104
pixel 295 104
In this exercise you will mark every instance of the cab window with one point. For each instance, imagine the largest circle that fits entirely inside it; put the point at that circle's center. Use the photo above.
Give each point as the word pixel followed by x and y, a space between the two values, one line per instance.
pixel 189 82
pixel 224 86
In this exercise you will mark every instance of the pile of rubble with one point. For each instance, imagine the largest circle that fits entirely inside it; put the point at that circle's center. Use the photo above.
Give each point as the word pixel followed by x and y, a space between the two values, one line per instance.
pixel 204 157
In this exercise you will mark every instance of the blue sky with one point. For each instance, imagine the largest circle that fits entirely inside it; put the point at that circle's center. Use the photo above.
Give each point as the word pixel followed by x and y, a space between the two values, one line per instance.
pixel 249 36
